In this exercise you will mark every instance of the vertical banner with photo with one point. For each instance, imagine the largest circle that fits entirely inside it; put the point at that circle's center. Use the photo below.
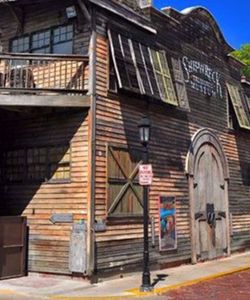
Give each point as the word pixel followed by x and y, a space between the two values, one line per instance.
pixel 167 213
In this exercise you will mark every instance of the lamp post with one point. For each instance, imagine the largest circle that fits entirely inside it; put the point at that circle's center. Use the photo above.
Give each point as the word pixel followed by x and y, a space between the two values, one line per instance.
pixel 144 132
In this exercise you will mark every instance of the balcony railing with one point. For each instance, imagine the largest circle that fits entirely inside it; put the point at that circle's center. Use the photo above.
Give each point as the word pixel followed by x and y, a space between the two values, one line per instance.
pixel 43 73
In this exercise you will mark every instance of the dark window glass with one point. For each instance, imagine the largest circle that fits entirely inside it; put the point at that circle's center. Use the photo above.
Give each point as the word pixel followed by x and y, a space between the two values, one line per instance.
pixel 63 40
pixel 40 42
pixel 20 45
pixel 58 40
pixel 51 163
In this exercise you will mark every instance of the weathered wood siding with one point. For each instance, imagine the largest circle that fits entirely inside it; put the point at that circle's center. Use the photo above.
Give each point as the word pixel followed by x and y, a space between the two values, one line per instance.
pixel 40 16
pixel 172 129
pixel 48 242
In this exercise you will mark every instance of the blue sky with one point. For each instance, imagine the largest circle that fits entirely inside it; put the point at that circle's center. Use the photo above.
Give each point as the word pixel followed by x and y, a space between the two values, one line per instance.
pixel 232 16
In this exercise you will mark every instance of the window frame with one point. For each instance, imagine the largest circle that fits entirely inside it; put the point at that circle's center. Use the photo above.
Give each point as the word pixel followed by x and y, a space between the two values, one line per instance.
pixel 51 40
pixel 141 66
pixel 48 178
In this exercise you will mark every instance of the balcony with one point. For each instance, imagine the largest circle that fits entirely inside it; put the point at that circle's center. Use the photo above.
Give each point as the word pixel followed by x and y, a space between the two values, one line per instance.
pixel 43 80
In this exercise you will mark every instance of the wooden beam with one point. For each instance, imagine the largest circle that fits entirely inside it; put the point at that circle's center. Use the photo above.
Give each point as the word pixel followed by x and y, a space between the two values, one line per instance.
pixel 84 10
pixel 45 101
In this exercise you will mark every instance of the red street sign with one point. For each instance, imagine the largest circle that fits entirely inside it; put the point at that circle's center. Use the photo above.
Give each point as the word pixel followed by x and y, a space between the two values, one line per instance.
pixel 145 174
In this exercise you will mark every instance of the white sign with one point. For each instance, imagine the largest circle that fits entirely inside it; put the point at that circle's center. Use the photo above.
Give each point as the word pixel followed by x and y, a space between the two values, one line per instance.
pixel 145 175
pixel 202 78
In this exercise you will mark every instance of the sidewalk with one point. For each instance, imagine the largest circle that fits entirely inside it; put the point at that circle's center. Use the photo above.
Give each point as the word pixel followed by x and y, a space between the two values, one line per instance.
pixel 55 288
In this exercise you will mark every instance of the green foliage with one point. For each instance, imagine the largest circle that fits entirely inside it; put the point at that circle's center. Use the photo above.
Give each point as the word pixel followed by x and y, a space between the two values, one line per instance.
pixel 243 54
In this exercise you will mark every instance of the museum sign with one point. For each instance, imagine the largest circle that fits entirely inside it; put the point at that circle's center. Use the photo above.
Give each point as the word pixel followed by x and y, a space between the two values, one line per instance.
pixel 202 77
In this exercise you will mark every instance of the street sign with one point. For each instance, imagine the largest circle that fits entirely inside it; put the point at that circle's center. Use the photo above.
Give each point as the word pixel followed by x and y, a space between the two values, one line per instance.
pixel 145 174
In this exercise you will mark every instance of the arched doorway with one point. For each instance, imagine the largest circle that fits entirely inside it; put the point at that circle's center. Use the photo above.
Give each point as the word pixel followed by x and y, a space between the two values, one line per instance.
pixel 208 175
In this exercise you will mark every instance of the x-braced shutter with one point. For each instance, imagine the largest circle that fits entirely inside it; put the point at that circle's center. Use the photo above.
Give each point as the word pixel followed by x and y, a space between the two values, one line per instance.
pixel 124 191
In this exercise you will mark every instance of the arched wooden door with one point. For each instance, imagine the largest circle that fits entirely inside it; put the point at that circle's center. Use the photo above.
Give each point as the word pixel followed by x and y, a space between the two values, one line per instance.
pixel 208 184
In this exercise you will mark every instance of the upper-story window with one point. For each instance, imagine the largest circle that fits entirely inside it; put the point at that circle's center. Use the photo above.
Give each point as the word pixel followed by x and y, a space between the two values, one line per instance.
pixel 55 40
pixel 145 70
pixel 239 107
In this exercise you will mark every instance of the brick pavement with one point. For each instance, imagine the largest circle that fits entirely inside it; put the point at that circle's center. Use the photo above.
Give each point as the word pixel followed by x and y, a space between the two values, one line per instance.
pixel 230 287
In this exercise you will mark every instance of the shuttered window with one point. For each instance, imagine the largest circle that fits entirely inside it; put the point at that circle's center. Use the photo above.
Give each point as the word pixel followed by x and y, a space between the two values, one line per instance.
pixel 179 82
pixel 163 77
pixel 149 70
pixel 239 102
pixel 141 69
pixel 124 196
pixel 123 62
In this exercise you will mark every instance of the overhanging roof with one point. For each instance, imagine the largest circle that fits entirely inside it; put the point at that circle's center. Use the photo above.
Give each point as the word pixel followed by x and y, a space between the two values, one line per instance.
pixel 125 13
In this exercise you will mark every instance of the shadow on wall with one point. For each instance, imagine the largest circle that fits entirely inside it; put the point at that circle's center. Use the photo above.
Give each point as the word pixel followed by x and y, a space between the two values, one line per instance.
pixel 35 151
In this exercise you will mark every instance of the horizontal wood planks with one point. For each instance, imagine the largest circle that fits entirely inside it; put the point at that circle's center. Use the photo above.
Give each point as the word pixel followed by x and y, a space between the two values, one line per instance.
pixel 48 242
pixel 172 130
pixel 41 16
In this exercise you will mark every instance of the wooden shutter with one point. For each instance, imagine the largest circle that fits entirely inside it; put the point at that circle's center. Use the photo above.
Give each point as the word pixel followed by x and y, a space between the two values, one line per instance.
pixel 123 61
pixel 139 61
pixel 150 70
pixel 117 56
pixel 129 63
pixel 244 101
pixel 239 106
pixel 180 83
pixel 248 103
pixel 124 192
pixel 163 77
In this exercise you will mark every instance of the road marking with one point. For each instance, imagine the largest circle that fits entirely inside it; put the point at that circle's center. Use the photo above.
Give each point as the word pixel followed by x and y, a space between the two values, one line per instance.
pixel 7 292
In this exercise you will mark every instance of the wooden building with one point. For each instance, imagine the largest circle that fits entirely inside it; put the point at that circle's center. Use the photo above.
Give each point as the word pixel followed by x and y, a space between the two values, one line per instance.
pixel 76 77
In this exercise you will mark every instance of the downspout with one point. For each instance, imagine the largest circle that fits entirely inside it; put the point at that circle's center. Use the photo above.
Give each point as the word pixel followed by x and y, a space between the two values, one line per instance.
pixel 92 149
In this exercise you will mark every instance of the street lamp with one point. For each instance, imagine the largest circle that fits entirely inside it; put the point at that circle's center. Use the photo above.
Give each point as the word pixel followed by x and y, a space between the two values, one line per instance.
pixel 144 132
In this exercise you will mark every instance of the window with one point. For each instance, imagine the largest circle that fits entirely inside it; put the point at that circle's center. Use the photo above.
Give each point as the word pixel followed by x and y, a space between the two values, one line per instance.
pixel 124 62
pixel 37 164
pixel 63 40
pixel 239 103
pixel 124 192
pixel 20 44
pixel 59 158
pixel 179 82
pixel 163 77
pixel 40 42
pixel 143 61
pixel 141 69
pixel 15 165
pixel 55 40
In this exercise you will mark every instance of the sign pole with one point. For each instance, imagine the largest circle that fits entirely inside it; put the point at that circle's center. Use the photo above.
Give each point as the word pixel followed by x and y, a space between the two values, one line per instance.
pixel 146 282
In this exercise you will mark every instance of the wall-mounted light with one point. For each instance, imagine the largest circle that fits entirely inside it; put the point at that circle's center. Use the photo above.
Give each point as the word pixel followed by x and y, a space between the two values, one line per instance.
pixel 71 12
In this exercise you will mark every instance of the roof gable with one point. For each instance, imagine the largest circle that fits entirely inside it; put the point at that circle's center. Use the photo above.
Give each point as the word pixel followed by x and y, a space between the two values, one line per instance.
pixel 204 22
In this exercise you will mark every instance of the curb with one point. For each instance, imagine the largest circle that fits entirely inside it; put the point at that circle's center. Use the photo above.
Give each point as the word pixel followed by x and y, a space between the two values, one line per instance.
pixel 157 291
